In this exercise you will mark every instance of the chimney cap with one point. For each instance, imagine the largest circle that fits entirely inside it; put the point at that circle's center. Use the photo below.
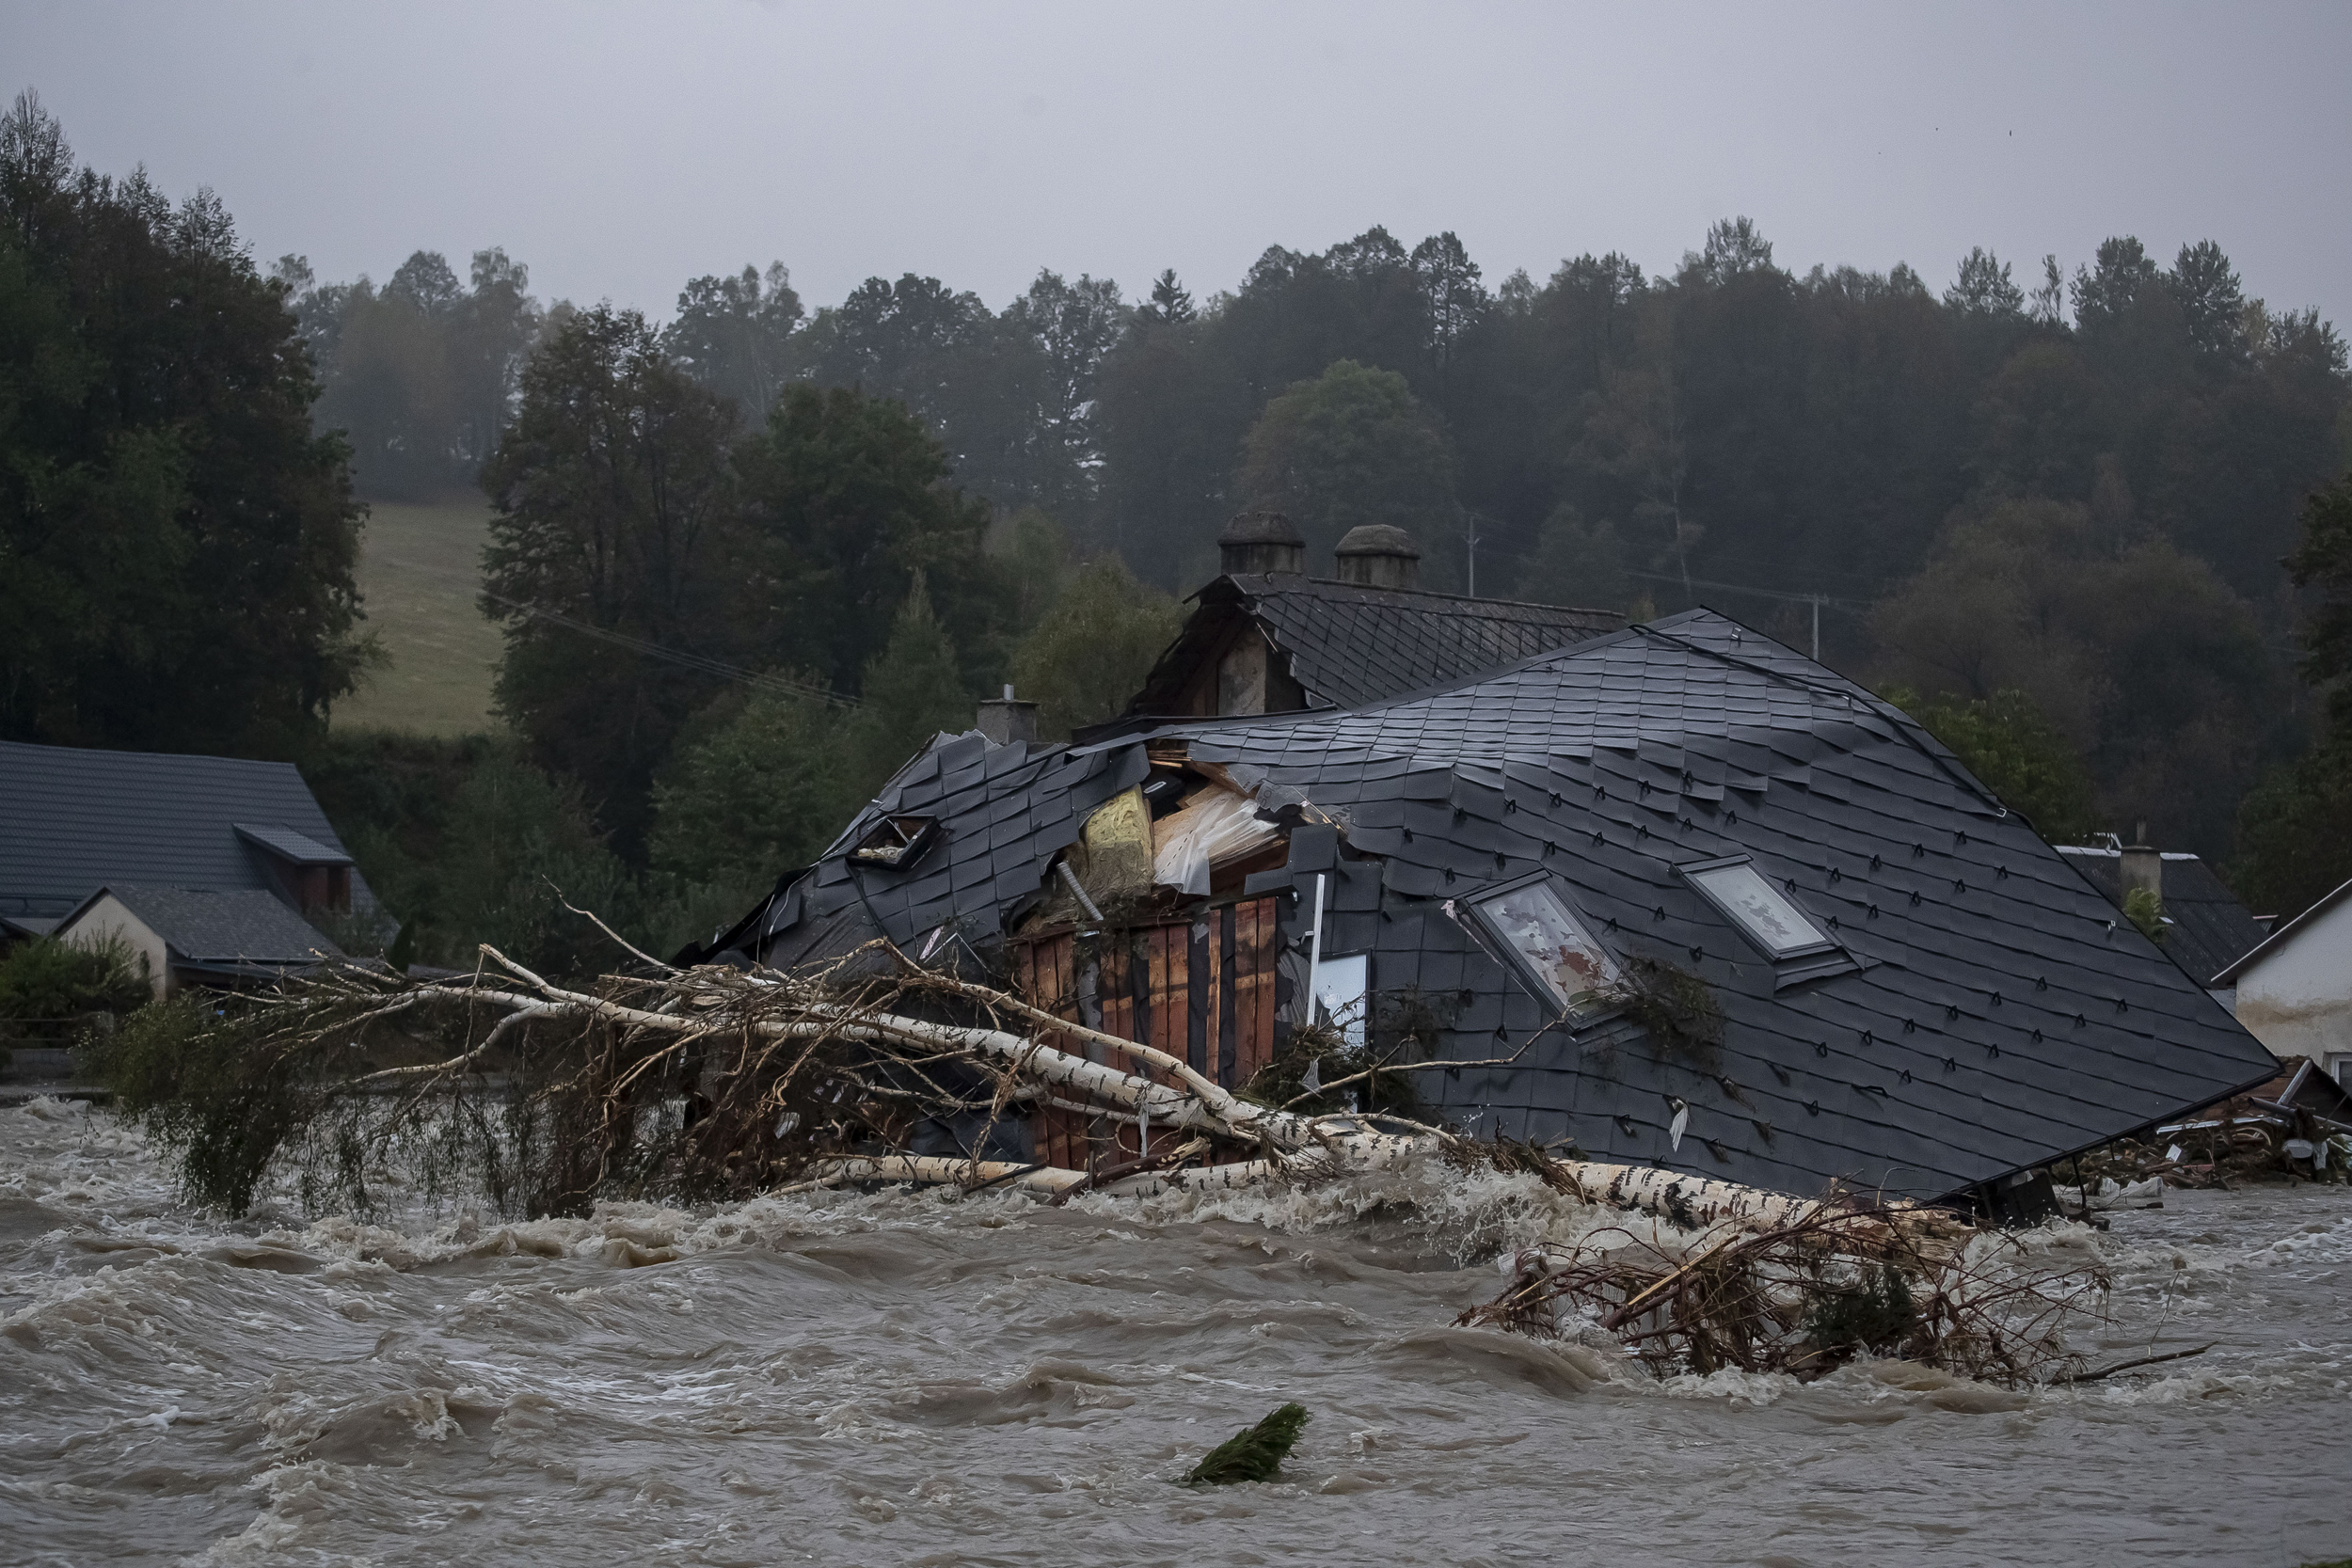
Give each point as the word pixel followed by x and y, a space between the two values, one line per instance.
pixel 1260 528
pixel 1378 539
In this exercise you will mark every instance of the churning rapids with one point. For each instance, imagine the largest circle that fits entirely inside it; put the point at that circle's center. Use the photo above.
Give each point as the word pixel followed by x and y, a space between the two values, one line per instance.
pixel 908 1378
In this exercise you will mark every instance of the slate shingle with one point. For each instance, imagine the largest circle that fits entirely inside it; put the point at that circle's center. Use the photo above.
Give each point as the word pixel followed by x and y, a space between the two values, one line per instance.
pixel 1746 748
pixel 73 819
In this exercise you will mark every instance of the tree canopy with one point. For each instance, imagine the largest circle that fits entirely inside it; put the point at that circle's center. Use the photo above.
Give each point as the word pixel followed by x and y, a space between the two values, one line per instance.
pixel 176 544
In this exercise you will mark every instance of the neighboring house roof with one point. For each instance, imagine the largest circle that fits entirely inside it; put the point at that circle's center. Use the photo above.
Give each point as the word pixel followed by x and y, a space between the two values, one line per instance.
pixel 73 819
pixel 217 926
pixel 1989 1012
pixel 2210 928
pixel 2282 936
pixel 289 846
pixel 1348 644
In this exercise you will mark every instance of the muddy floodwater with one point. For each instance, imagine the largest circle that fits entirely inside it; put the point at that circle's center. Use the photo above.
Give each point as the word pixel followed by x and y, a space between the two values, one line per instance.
pixel 907 1378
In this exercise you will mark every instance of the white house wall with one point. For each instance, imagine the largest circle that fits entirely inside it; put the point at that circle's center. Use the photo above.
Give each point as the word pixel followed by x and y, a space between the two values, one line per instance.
pixel 2297 998
pixel 109 917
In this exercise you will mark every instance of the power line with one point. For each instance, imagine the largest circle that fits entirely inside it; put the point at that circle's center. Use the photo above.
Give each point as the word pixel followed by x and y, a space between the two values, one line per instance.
pixel 1852 607
pixel 701 663
pixel 1815 600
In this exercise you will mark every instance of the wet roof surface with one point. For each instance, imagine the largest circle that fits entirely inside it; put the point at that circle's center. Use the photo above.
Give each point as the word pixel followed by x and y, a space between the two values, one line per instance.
pixel 2210 929
pixel 73 819
pixel 1348 644
pixel 1997 1011
pixel 215 925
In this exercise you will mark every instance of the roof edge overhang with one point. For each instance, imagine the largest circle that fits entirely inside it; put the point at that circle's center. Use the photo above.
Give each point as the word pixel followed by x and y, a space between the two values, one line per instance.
pixel 2254 955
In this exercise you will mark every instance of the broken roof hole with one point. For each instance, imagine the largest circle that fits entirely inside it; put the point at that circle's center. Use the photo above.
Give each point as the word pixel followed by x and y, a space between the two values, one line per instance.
pixel 896 842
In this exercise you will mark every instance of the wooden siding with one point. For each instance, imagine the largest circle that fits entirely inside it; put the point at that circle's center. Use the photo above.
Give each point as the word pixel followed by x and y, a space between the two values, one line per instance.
pixel 1202 991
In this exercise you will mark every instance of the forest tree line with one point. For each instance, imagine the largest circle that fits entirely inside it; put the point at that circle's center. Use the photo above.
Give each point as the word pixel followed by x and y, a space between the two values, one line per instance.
pixel 2053 514
pixel 2077 488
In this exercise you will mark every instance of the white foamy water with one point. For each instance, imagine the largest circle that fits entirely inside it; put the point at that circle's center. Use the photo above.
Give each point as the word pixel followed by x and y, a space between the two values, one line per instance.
pixel 905 1378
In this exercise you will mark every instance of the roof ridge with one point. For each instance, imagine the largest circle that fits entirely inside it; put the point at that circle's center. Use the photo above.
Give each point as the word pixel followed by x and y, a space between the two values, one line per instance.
pixel 1433 594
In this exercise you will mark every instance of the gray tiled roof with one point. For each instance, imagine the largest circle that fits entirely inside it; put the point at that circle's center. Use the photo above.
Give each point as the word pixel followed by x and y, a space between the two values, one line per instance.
pixel 2210 929
pixel 211 925
pixel 1348 644
pixel 73 820
pixel 1998 1012
pixel 289 845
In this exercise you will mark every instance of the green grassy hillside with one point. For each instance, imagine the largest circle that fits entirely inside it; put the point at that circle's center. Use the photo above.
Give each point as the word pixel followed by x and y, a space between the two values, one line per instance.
pixel 420 570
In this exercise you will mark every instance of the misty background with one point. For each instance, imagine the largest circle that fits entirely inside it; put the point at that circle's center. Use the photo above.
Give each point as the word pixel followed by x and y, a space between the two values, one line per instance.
pixel 795 377
pixel 622 148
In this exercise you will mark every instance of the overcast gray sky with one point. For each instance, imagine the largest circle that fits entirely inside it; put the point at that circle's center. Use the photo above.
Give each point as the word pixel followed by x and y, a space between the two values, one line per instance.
pixel 619 149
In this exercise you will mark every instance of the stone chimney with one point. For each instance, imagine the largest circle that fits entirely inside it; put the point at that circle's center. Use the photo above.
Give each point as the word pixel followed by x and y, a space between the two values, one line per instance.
pixel 1260 541
pixel 1006 719
pixel 1378 556
pixel 2143 866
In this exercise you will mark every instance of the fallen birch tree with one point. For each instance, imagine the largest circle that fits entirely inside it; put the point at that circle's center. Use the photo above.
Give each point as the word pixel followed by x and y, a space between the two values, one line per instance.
pixel 717 1082
pixel 720 1082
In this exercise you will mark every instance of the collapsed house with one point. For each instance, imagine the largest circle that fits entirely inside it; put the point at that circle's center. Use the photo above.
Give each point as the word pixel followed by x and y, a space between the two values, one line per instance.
pixel 1671 895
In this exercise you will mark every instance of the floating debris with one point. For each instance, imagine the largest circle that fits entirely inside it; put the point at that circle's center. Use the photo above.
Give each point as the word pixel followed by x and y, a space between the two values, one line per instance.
pixel 1844 1280
pixel 1253 1453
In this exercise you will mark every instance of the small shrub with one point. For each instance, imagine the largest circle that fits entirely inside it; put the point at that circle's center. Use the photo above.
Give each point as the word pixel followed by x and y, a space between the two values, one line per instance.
pixel 47 987
pixel 1875 1317
pixel 1674 1008
pixel 2145 910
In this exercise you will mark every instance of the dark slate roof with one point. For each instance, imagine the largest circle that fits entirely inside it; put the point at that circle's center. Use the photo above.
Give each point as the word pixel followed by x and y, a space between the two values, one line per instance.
pixel 2211 930
pixel 289 846
pixel 73 820
pixel 211 926
pixel 1997 1012
pixel 1348 644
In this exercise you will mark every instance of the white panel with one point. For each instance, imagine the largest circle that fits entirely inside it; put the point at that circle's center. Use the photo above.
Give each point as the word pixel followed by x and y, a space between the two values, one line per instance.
pixel 1343 994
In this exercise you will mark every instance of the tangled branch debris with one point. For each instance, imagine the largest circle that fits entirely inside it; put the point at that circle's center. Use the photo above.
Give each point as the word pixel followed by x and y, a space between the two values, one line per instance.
pixel 1846 1279
pixel 719 1082
pixel 716 1083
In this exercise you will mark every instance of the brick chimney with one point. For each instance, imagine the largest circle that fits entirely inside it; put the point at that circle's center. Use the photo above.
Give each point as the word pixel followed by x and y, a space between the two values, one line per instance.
pixel 2141 865
pixel 1377 556
pixel 1006 719
pixel 1260 541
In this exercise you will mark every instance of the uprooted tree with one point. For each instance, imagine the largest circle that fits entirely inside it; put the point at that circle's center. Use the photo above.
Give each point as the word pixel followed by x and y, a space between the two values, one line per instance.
pixel 716 1083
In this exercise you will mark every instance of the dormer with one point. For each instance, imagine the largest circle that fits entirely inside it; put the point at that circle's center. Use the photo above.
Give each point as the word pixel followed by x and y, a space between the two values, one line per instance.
pixel 302 871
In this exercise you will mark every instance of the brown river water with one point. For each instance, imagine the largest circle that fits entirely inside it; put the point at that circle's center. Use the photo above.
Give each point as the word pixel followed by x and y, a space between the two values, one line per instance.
pixel 911 1378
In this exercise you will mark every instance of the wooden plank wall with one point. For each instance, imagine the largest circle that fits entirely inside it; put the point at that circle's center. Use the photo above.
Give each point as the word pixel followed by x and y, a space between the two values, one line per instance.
pixel 1202 991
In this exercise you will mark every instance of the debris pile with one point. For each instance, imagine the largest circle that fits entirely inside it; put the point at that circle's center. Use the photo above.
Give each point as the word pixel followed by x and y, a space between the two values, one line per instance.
pixel 1847 1279
pixel 714 1082
pixel 2296 1127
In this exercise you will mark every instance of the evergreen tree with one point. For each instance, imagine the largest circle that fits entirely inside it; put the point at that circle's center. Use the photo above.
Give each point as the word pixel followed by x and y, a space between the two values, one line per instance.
pixel 1087 656
pixel 2295 831
pixel 764 792
pixel 913 690
pixel 176 545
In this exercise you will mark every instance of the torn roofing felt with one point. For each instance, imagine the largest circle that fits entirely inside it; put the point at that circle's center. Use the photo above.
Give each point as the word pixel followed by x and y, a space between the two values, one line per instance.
pixel 1348 644
pixel 1984 1009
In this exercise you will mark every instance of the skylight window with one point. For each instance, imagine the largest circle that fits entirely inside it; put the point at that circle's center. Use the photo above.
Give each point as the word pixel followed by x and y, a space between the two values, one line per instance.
pixel 1533 922
pixel 1757 906
pixel 896 842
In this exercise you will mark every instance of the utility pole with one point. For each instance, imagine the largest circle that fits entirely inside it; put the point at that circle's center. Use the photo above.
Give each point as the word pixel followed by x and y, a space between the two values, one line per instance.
pixel 1816 601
